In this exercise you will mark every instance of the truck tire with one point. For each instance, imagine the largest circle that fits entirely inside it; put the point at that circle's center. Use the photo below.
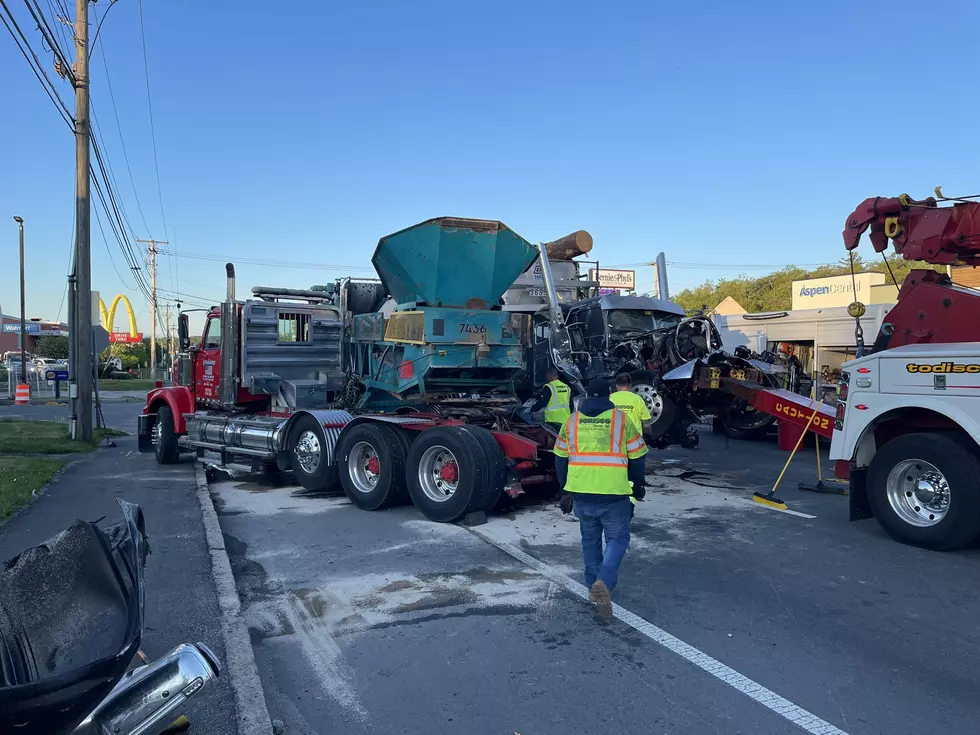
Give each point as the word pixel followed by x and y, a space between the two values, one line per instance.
pixel 447 473
pixel 496 467
pixel 309 458
pixel 165 436
pixel 371 460
pixel 742 422
pixel 924 489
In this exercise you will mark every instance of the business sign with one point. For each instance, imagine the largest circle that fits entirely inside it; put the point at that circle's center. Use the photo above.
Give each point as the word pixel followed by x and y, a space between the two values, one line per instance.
pixel 614 278
pixel 56 375
pixel 821 293
pixel 29 327
pixel 125 338
pixel 109 316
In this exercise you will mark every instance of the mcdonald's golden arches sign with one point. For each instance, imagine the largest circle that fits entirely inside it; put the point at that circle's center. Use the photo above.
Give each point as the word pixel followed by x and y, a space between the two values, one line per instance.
pixel 109 315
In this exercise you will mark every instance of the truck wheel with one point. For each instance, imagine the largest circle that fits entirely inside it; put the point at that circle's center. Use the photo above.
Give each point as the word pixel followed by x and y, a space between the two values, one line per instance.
pixel 663 411
pixel 924 490
pixel 309 457
pixel 371 459
pixel 165 437
pixel 496 466
pixel 447 473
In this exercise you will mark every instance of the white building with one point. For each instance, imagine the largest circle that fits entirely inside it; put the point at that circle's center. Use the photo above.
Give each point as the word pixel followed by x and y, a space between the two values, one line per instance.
pixel 820 293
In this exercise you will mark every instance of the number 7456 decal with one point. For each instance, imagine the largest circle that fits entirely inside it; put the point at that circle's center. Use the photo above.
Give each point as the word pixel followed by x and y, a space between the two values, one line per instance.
pixel 465 328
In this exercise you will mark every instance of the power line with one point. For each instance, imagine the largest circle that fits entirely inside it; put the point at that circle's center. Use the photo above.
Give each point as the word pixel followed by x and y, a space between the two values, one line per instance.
pixel 48 35
pixel 273 263
pixel 149 107
pixel 24 47
pixel 122 141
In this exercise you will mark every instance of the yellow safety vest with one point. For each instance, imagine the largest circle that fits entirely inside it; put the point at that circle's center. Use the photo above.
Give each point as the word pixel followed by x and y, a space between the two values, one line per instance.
pixel 556 412
pixel 632 405
pixel 598 449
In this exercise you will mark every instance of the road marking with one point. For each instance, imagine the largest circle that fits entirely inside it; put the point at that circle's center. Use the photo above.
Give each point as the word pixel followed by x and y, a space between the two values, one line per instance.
pixel 778 510
pixel 767 698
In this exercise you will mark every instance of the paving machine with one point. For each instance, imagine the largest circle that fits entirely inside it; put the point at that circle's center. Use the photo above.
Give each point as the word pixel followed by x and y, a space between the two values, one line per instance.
pixel 415 403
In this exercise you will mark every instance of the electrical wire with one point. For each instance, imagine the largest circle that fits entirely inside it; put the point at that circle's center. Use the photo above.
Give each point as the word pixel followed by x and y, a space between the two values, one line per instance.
pixel 273 263
pixel 48 35
pixel 24 47
pixel 98 28
pixel 149 107
pixel 122 141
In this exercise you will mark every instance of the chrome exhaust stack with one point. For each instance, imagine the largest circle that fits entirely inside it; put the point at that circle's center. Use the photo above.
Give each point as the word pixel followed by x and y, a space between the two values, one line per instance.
pixel 148 699
pixel 228 369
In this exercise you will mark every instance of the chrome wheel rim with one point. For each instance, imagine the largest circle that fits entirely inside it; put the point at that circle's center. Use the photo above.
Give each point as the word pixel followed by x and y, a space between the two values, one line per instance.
pixel 157 433
pixel 364 467
pixel 308 451
pixel 438 473
pixel 918 493
pixel 653 399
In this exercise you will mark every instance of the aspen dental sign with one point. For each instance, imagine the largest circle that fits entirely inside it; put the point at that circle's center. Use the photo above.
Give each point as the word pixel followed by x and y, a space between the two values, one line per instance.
pixel 821 293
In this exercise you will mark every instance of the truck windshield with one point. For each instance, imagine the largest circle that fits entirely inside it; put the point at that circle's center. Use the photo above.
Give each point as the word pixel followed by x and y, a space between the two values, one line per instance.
pixel 625 320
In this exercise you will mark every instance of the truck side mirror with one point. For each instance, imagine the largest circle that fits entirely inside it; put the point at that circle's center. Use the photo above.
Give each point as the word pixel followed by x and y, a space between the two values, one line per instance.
pixel 183 334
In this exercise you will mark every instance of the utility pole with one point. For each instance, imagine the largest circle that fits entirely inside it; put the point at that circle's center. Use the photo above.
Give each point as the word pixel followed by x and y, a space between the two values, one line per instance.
pixel 23 317
pixel 151 260
pixel 83 369
pixel 166 322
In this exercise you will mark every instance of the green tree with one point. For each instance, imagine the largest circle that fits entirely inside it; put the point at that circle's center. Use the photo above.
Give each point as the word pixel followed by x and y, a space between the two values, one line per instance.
pixel 773 292
pixel 53 346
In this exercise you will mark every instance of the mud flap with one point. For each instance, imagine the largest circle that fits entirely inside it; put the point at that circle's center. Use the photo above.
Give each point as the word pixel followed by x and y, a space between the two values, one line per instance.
pixel 144 426
pixel 858 494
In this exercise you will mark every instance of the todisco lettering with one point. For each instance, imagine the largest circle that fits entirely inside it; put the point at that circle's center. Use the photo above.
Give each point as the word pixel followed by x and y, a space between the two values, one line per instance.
pixel 944 367
pixel 590 420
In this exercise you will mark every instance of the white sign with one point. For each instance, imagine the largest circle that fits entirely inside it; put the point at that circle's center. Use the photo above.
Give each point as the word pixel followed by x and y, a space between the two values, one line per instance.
pixel 614 279
pixel 822 293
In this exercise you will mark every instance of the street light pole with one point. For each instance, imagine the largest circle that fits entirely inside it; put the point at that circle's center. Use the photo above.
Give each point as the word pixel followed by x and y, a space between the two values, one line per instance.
pixel 23 316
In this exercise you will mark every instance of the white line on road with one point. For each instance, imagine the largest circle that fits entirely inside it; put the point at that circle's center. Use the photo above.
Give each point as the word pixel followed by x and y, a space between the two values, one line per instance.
pixel 767 698
pixel 778 510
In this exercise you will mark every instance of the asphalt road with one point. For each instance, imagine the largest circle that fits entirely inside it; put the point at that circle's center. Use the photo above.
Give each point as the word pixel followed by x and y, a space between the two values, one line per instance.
pixel 386 623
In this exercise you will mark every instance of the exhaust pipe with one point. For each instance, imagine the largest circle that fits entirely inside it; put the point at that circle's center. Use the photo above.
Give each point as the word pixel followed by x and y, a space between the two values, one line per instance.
pixel 230 378
pixel 148 699
pixel 663 292
pixel 560 342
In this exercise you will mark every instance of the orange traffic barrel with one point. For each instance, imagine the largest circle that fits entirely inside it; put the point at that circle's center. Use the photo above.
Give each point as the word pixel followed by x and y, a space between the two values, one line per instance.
pixel 23 395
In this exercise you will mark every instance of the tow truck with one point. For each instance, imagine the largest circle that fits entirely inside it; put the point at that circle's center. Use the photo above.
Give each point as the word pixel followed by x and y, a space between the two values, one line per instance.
pixel 414 405
pixel 907 422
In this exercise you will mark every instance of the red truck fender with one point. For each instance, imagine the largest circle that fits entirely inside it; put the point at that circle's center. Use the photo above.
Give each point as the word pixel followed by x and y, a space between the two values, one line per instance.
pixel 178 398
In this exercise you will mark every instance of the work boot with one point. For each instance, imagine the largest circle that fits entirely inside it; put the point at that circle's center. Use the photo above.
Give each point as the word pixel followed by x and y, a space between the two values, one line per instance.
pixel 600 596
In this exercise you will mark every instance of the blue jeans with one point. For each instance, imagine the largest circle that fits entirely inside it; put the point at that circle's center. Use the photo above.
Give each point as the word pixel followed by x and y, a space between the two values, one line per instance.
pixel 613 520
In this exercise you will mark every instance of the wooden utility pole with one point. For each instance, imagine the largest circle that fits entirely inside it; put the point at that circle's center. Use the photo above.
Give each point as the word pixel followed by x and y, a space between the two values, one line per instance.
pixel 83 375
pixel 151 260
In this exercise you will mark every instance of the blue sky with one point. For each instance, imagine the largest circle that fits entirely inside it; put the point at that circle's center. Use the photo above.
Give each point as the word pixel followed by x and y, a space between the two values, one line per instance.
pixel 722 133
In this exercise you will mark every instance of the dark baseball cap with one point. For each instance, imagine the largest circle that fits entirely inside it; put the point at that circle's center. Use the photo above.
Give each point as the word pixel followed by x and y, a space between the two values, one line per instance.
pixel 598 388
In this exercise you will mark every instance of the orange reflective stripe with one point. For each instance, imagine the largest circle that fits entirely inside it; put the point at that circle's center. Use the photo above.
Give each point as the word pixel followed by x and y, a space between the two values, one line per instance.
pixel 617 430
pixel 573 432
pixel 600 463
pixel 599 454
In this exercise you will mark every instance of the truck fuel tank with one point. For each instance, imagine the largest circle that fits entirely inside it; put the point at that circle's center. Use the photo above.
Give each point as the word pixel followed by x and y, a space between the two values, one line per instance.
pixel 452 262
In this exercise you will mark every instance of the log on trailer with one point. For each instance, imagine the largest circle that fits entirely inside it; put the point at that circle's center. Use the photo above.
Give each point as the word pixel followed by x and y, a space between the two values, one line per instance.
pixel 570 246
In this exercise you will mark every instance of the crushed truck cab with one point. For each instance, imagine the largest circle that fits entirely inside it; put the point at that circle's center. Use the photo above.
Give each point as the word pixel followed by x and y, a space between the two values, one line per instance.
pixel 908 427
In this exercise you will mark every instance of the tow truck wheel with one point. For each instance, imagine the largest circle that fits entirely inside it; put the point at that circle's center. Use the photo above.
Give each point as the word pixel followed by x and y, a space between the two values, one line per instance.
pixel 496 467
pixel 165 437
pixel 663 411
pixel 447 473
pixel 924 490
pixel 309 458
pixel 371 459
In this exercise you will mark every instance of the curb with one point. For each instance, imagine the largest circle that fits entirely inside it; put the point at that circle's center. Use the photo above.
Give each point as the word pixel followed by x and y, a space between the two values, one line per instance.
pixel 253 715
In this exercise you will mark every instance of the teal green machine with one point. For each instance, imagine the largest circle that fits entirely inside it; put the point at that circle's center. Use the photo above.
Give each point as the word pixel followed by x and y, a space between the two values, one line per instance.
pixel 447 339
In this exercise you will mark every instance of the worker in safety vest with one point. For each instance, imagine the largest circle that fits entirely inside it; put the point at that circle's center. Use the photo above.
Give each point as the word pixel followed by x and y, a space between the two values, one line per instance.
pixel 630 403
pixel 555 397
pixel 599 460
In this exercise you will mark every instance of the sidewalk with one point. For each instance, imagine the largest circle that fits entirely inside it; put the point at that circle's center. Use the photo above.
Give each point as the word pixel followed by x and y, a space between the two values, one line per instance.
pixel 181 600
